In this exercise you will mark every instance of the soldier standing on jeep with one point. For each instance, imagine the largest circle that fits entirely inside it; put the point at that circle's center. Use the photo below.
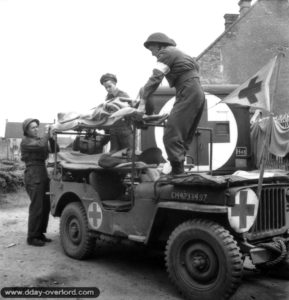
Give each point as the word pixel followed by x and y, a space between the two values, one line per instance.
pixel 182 72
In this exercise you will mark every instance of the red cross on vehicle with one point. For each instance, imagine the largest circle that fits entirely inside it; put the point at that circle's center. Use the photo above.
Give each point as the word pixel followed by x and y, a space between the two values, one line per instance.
pixel 243 209
pixel 94 215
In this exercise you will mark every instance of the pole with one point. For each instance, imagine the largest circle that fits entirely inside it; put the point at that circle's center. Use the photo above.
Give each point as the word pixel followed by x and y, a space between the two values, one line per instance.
pixel 55 154
pixel 133 167
pixel 265 149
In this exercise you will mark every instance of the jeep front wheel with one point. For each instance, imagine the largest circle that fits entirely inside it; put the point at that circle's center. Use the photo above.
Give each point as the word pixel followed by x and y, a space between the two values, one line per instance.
pixel 203 260
pixel 74 235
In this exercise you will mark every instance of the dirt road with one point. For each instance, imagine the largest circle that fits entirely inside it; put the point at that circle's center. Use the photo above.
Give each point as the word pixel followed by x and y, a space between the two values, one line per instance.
pixel 120 272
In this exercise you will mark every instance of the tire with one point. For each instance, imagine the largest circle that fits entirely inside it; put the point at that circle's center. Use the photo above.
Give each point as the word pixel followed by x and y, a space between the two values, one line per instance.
pixel 74 235
pixel 203 260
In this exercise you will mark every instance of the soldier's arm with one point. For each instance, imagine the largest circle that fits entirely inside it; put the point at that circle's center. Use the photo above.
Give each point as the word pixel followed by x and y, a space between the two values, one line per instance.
pixel 35 145
pixel 161 69
pixel 152 84
pixel 123 94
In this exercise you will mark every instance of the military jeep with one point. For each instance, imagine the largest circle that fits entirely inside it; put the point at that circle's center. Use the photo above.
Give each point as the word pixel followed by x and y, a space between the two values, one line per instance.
pixel 207 223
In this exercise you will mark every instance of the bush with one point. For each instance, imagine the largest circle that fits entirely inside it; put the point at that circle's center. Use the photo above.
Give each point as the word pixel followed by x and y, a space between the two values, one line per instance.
pixel 11 176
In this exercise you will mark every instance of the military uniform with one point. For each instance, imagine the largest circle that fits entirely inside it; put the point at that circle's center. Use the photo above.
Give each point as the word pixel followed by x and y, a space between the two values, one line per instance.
pixel 34 152
pixel 121 135
pixel 181 72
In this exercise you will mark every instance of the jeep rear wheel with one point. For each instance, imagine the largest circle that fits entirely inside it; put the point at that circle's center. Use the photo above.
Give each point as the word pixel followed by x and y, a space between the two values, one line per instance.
pixel 203 260
pixel 74 235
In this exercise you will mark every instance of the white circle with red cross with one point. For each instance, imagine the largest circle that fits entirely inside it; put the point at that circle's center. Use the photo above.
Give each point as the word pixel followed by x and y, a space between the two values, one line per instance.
pixel 216 112
pixel 94 215
pixel 244 212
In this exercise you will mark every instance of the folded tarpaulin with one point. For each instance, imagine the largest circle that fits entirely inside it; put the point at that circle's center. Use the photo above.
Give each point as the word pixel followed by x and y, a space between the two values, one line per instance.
pixel 256 174
pixel 77 157
pixel 226 181
pixel 252 177
pixel 279 138
pixel 195 179
pixel 80 161
pixel 85 167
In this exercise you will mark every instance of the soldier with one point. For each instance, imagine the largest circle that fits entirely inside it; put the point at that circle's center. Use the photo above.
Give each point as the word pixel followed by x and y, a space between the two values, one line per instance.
pixel 182 72
pixel 121 135
pixel 34 152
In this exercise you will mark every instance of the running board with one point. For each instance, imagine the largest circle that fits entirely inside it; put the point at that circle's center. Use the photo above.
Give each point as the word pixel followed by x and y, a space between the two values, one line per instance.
pixel 137 238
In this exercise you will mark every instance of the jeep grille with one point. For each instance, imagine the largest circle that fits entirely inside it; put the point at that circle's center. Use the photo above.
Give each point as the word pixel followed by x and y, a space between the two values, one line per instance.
pixel 271 217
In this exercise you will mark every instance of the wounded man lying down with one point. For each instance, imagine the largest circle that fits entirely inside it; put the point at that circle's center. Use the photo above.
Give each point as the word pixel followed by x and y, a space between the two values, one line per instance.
pixel 101 116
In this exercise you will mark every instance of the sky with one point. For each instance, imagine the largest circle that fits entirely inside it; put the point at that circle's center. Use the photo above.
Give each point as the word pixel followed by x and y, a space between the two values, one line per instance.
pixel 53 52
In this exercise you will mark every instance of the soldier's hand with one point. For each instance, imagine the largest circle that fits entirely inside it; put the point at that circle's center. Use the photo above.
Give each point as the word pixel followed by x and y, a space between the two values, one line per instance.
pixel 50 131
pixel 142 106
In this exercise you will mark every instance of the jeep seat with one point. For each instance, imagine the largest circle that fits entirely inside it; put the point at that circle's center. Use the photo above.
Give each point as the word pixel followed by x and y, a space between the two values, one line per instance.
pixel 117 205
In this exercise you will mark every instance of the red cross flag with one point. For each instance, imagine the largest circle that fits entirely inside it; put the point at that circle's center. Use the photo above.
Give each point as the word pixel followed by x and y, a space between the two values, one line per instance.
pixel 255 91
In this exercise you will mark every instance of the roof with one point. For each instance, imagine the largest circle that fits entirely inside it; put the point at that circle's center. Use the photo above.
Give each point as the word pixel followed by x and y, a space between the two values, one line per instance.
pixel 13 130
pixel 229 29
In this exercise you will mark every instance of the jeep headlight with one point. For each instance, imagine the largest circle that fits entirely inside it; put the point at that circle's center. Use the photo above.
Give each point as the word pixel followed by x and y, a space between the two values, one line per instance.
pixel 243 213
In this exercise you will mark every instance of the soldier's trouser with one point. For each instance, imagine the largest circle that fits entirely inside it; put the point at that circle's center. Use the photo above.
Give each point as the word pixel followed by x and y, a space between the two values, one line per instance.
pixel 183 120
pixel 119 141
pixel 39 207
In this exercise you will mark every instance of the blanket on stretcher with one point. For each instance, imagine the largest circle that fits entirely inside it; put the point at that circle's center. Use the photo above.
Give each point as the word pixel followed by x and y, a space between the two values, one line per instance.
pixel 103 116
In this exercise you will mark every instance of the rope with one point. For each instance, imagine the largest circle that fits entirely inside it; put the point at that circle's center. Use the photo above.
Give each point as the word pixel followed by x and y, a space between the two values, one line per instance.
pixel 278 247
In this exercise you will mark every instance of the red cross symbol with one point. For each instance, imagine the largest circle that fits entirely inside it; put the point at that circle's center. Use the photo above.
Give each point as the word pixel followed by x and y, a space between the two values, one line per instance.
pixel 250 91
pixel 243 209
pixel 95 214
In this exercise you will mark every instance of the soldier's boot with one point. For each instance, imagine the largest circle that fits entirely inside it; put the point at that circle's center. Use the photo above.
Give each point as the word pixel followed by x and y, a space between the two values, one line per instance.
pixel 35 242
pixel 177 168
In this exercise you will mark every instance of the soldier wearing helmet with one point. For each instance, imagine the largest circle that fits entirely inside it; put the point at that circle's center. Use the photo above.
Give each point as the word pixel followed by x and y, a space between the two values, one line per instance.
pixel 34 152
pixel 181 72
pixel 121 135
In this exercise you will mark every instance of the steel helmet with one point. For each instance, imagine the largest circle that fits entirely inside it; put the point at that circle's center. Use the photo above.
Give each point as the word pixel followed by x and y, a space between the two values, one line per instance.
pixel 107 77
pixel 26 123
pixel 160 38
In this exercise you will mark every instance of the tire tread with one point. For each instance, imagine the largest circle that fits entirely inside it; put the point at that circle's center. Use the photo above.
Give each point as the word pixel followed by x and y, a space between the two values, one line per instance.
pixel 227 240
pixel 88 245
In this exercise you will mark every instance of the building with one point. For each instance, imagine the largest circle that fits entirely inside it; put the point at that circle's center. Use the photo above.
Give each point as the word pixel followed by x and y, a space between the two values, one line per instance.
pixel 10 144
pixel 249 41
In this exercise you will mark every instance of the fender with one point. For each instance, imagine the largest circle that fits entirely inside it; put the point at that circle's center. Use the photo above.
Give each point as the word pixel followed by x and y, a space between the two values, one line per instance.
pixel 181 207
pixel 71 191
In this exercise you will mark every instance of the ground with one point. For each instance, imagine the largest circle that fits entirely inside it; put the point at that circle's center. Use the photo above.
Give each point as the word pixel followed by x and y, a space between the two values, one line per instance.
pixel 120 272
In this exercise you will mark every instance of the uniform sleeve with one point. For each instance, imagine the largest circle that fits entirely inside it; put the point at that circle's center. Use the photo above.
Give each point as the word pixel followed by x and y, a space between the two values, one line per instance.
pixel 123 94
pixel 161 69
pixel 153 83
pixel 35 145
